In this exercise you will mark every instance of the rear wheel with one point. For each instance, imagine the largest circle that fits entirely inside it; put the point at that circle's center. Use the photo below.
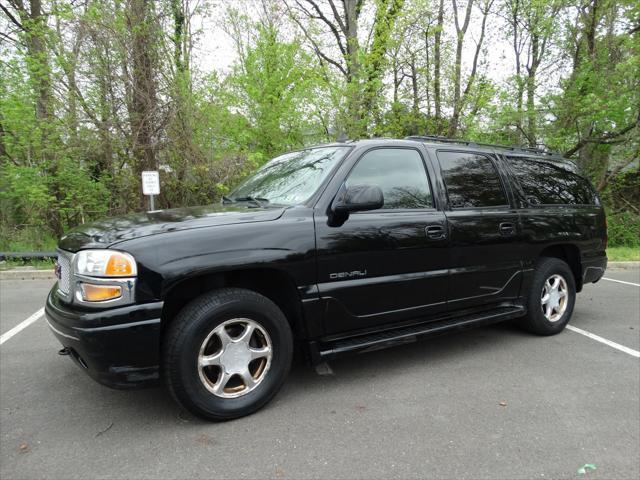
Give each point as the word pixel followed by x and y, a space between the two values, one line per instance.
pixel 227 353
pixel 551 299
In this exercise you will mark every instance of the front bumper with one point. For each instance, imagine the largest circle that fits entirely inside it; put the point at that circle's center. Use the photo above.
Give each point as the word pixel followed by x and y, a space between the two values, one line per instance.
pixel 118 347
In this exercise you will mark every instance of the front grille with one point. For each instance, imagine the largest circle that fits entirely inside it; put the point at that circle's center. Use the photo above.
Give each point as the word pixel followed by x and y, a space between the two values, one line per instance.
pixel 64 263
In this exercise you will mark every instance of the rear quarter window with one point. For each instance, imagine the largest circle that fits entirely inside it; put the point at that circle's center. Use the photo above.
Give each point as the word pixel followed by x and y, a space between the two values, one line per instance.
pixel 545 183
pixel 471 179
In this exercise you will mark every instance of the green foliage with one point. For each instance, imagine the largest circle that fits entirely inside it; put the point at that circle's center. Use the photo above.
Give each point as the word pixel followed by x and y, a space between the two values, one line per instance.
pixel 272 87
pixel 27 239
pixel 623 191
pixel 624 229
pixel 81 112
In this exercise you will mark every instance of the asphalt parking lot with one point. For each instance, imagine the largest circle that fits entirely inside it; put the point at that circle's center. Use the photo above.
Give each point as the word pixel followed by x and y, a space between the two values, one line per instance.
pixel 489 403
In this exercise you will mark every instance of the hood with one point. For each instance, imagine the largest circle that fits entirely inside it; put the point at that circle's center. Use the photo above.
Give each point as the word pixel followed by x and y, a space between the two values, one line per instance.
pixel 104 233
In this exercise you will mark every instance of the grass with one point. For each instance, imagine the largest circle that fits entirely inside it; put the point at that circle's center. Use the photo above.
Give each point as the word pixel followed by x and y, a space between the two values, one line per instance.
pixel 27 240
pixel 623 254
pixel 16 263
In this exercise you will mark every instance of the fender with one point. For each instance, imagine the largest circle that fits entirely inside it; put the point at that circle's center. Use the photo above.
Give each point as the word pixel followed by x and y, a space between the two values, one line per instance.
pixel 284 244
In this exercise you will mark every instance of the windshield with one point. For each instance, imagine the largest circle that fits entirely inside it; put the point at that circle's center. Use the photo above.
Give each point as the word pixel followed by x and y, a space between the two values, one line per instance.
pixel 290 178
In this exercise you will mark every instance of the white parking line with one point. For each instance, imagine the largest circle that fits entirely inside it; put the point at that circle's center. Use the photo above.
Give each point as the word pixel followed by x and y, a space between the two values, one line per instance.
pixel 21 326
pixel 621 281
pixel 597 338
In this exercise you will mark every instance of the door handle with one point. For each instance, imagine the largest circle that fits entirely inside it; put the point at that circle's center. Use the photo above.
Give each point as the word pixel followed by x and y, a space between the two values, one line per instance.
pixel 435 232
pixel 507 229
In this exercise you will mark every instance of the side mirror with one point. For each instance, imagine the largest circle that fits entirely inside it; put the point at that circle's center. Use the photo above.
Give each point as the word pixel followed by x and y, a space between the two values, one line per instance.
pixel 357 198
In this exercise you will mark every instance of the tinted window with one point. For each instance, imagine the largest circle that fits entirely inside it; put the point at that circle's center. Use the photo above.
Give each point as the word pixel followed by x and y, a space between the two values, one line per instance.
pixel 471 180
pixel 399 173
pixel 544 183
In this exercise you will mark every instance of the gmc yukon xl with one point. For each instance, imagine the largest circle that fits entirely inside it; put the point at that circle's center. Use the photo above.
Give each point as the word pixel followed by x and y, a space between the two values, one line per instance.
pixel 329 250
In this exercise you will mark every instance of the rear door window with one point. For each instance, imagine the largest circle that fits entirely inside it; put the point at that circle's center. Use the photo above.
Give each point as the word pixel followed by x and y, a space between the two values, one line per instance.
pixel 472 180
pixel 544 183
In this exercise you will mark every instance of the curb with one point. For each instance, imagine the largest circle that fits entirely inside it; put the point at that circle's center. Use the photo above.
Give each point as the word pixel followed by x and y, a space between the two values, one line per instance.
pixel 33 274
pixel 623 265
pixel 27 274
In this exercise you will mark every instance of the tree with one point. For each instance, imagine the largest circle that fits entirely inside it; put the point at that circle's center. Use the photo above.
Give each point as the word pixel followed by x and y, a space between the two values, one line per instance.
pixel 94 91
pixel 459 100
pixel 274 89
pixel 361 66
pixel 143 29
pixel 437 81
pixel 599 107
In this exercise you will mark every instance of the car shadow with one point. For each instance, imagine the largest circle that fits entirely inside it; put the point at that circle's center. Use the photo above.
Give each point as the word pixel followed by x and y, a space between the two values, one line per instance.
pixel 303 381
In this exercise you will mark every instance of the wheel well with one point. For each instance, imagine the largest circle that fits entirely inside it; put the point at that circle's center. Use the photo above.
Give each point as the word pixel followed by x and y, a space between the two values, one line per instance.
pixel 571 255
pixel 273 284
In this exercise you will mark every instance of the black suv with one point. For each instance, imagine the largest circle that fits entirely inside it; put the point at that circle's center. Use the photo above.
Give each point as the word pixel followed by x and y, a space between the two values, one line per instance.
pixel 328 250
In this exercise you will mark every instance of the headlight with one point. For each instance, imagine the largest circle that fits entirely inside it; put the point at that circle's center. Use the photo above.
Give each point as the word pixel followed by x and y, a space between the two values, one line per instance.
pixel 105 263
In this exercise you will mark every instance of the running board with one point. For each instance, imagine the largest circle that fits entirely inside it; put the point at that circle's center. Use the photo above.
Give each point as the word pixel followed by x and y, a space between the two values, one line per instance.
pixel 399 336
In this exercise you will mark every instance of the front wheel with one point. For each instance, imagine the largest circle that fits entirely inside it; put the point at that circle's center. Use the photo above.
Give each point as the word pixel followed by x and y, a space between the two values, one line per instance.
pixel 227 353
pixel 551 299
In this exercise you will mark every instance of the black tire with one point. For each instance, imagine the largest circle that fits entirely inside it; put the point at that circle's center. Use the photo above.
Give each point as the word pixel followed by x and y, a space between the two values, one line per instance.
pixel 535 321
pixel 193 324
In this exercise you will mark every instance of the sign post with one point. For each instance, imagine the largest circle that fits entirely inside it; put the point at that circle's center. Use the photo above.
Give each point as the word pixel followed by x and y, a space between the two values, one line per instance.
pixel 151 185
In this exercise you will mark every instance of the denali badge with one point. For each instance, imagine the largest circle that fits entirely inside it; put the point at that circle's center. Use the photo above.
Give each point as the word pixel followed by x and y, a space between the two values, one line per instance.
pixel 355 273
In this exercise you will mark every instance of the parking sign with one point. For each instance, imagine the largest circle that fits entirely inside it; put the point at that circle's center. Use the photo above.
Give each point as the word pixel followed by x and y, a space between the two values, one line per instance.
pixel 150 183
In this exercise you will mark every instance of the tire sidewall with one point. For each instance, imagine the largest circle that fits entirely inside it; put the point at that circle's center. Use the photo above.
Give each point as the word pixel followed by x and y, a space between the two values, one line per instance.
pixel 547 268
pixel 201 324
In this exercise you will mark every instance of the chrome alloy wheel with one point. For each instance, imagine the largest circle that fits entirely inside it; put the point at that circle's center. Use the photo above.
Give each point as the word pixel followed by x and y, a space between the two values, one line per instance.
pixel 234 358
pixel 555 297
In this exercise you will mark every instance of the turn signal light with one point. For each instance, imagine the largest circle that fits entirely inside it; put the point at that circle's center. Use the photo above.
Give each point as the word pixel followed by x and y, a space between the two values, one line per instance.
pixel 119 266
pixel 100 293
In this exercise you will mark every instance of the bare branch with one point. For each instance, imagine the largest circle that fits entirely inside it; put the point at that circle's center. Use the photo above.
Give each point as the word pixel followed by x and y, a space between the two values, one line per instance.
pixel 323 18
pixel 336 15
pixel 605 138
pixel 316 47
pixel 13 19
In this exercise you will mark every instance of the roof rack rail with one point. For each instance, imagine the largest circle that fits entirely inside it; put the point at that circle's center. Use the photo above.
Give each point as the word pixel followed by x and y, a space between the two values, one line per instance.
pixel 438 138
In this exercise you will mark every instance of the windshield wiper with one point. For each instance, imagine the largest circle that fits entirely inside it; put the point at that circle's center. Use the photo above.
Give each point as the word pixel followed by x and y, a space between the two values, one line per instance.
pixel 257 201
pixel 226 200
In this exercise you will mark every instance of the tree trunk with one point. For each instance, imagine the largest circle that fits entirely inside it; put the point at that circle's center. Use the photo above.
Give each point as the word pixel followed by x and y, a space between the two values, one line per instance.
pixel 517 50
pixel 531 92
pixel 437 43
pixel 355 127
pixel 143 62
pixel 38 53
pixel 460 33
pixel 178 35
pixel 385 16
pixel 396 81
pixel 415 106
pixel 34 24
pixel 427 73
